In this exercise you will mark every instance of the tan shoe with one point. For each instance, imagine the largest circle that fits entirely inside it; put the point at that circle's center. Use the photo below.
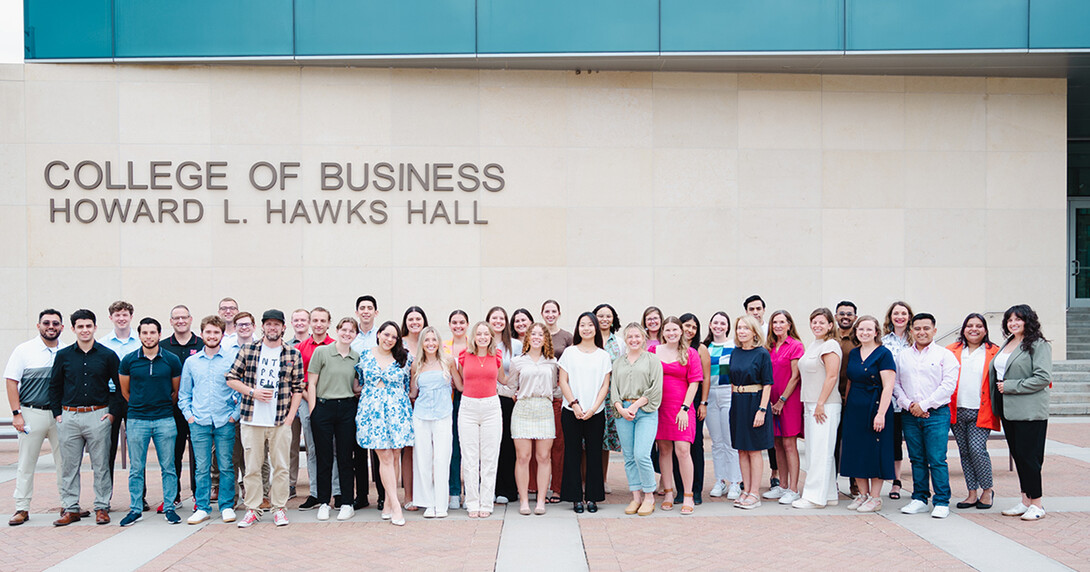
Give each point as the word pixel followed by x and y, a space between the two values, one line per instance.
pixel 19 517
pixel 66 519
pixel 632 507
pixel 102 516
pixel 647 507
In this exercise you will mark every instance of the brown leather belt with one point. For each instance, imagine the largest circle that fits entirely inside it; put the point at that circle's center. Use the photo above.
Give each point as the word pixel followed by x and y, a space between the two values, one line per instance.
pixel 755 388
pixel 86 409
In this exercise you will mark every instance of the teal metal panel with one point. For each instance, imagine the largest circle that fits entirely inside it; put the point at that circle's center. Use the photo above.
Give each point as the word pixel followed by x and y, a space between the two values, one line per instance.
pixel 1059 24
pixel 937 24
pixel 567 26
pixel 68 29
pixel 364 27
pixel 748 25
pixel 169 28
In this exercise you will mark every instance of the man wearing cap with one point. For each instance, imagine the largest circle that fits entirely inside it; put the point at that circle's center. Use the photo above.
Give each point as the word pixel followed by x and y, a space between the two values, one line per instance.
pixel 269 375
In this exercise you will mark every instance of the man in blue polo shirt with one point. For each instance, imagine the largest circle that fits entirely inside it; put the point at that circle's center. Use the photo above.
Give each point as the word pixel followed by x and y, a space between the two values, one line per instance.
pixel 149 381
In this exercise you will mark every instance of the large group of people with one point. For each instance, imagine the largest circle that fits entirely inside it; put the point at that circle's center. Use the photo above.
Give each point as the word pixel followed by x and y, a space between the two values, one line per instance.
pixel 514 409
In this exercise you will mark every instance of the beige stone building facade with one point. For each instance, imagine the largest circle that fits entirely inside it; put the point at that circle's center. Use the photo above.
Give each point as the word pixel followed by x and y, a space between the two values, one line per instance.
pixel 689 191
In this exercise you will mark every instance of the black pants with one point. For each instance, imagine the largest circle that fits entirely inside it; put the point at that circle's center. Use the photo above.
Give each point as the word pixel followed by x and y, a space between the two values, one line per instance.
pixel 898 438
pixel 577 435
pixel 359 467
pixel 1026 440
pixel 122 407
pixel 179 449
pixel 697 453
pixel 505 469
pixel 334 419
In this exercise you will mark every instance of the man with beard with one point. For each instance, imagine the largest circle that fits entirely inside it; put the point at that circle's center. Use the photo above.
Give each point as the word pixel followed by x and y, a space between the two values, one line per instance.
pixel 27 373
pixel 269 375
pixel 845 321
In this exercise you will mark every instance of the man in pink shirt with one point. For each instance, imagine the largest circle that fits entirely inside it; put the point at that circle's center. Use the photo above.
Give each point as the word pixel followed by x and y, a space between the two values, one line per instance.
pixel 927 374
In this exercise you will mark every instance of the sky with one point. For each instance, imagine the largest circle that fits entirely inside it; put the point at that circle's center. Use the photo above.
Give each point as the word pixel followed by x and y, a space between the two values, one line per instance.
pixel 11 31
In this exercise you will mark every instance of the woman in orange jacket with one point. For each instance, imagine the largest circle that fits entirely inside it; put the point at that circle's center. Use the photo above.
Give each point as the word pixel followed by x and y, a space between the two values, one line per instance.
pixel 971 417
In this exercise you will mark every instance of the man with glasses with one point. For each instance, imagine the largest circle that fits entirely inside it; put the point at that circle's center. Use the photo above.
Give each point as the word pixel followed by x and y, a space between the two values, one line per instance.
pixel 27 373
pixel 228 312
pixel 182 344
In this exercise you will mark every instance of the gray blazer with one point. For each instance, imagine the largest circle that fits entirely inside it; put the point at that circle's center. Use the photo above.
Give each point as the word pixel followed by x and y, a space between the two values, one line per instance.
pixel 1025 394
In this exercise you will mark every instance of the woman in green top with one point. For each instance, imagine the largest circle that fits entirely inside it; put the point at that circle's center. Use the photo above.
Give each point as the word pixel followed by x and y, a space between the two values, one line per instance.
pixel 635 396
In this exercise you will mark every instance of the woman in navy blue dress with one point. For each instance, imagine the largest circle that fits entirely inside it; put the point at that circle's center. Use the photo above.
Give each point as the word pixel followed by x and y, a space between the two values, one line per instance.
pixel 750 423
pixel 867 432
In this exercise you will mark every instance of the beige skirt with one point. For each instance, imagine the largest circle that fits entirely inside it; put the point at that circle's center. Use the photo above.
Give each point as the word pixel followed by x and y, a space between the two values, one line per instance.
pixel 532 418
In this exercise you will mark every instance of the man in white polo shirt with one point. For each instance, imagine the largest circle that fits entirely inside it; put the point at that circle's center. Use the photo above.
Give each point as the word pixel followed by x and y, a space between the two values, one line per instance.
pixel 27 373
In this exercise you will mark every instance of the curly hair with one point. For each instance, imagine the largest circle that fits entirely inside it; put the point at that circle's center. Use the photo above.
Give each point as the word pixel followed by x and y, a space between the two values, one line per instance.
pixel 1031 332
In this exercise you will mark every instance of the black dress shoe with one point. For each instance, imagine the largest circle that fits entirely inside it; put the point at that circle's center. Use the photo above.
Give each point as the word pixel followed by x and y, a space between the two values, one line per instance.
pixel 578 507
pixel 381 504
pixel 965 505
pixel 360 503
pixel 592 506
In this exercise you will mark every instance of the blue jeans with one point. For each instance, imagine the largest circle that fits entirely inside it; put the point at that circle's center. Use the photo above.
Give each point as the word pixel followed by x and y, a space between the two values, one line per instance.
pixel 636 437
pixel 926 438
pixel 224 437
pixel 139 433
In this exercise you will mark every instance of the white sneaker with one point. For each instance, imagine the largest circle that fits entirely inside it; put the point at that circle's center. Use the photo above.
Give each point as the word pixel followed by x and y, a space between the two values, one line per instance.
pixel 455 503
pixel 430 512
pixel 1034 512
pixel 914 507
pixel 440 514
pixel 280 518
pixel 198 517
pixel 323 511
pixel 789 497
pixel 719 488
pixel 940 511
pixel 806 504
pixel 228 515
pixel 1017 510
pixel 775 492
pixel 347 512
pixel 501 500
pixel 857 502
pixel 734 492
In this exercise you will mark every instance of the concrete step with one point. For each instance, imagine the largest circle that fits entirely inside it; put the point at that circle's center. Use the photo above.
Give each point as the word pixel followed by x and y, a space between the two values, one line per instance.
pixel 1070 376
pixel 1071 365
pixel 1070 386
pixel 1079 337
pixel 1070 397
pixel 1077 354
pixel 1061 409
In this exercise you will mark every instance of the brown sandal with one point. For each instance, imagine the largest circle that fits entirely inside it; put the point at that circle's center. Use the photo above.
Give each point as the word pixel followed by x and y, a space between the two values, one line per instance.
pixel 687 508
pixel 668 502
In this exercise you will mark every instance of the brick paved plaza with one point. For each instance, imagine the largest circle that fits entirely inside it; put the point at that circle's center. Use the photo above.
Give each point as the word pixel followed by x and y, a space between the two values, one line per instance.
pixel 716 537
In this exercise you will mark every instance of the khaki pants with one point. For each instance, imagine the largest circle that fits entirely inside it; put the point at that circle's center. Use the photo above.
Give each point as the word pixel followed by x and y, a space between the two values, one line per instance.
pixel 254 441
pixel 42 426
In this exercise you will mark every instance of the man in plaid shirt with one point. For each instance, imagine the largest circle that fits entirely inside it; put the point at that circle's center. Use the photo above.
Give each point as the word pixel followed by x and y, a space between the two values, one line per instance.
pixel 269 375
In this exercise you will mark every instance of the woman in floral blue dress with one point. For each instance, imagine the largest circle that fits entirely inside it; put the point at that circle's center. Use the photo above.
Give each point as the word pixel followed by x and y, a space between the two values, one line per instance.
pixel 384 420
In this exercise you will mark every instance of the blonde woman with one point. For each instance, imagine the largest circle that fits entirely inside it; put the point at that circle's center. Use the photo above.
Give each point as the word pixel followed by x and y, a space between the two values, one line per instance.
pixel 820 369
pixel 533 379
pixel 682 375
pixel 431 389
pixel 635 396
pixel 480 420
pixel 867 433
pixel 750 425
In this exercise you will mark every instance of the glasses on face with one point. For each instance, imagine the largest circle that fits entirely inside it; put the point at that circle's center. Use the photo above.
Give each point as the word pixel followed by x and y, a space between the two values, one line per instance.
pixel 179 318
pixel 244 325
pixel 52 323
pixel 226 308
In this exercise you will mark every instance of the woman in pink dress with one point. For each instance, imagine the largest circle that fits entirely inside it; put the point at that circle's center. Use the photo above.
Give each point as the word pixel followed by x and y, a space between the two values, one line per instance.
pixel 785 349
pixel 681 376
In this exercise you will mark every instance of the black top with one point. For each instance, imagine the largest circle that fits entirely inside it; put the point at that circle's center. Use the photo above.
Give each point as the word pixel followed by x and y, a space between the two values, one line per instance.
pixel 750 367
pixel 151 384
pixel 180 351
pixel 83 379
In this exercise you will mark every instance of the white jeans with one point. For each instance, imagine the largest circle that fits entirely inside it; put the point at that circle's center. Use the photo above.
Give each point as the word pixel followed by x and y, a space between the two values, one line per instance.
pixel 480 426
pixel 431 462
pixel 725 456
pixel 42 426
pixel 820 487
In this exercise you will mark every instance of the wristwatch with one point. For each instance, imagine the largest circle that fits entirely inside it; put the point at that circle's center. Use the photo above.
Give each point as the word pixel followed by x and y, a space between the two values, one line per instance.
pixel 783 399
pixel 685 407
pixel 704 403
pixel 14 412
pixel 762 409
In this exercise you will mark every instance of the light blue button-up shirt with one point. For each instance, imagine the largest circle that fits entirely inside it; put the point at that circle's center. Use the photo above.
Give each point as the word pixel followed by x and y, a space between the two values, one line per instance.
pixel 120 347
pixel 203 392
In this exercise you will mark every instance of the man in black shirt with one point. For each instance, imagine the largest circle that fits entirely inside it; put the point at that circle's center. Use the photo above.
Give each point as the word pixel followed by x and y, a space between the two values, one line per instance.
pixel 182 343
pixel 84 407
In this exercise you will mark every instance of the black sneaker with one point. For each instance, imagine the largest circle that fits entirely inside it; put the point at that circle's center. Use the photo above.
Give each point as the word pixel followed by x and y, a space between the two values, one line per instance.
pixel 360 504
pixel 171 516
pixel 291 492
pixel 310 504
